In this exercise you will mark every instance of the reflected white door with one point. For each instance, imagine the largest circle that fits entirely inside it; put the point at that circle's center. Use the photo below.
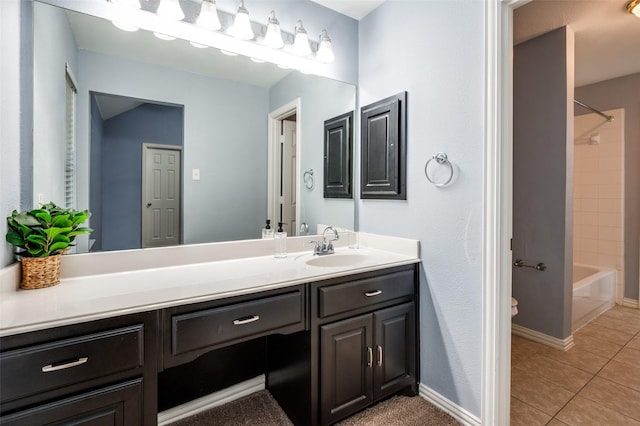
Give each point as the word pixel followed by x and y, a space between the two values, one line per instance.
pixel 161 186
pixel 287 176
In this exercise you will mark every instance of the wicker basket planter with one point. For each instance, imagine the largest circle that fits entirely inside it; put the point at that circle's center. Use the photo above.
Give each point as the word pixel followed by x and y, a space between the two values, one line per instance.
pixel 40 272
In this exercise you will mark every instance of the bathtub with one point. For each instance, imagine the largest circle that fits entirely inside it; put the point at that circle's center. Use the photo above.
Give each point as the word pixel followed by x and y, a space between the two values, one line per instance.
pixel 594 291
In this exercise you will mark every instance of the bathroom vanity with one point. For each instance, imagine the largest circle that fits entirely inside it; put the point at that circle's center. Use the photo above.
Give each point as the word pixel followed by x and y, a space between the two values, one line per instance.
pixel 330 340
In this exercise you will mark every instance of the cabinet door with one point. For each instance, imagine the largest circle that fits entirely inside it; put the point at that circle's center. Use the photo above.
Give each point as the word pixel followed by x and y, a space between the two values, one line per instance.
pixel 346 365
pixel 395 340
pixel 114 405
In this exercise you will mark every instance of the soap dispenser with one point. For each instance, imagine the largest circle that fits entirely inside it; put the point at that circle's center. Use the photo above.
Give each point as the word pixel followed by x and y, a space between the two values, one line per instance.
pixel 281 241
pixel 267 231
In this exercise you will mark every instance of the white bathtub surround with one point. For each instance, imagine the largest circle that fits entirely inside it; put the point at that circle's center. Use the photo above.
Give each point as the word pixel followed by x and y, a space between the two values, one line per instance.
pixel 598 176
pixel 101 285
pixel 594 292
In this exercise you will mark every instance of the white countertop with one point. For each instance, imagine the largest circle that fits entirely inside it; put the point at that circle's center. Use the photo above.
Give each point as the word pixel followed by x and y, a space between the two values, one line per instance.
pixel 84 297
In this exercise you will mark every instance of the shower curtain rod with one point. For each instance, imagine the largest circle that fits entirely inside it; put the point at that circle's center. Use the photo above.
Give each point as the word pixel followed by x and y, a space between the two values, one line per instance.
pixel 583 105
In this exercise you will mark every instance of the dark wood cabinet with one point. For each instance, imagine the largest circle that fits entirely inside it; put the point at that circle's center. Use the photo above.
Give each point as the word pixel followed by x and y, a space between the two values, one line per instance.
pixel 338 156
pixel 365 359
pixel 328 349
pixel 94 373
pixel 383 149
pixel 116 405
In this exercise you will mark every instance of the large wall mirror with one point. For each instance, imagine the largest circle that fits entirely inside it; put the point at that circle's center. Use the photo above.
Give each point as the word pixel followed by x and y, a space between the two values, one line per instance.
pixel 128 98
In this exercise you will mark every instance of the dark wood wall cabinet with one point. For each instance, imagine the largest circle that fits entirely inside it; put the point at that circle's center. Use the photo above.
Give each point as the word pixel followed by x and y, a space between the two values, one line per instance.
pixel 328 349
pixel 338 154
pixel 384 149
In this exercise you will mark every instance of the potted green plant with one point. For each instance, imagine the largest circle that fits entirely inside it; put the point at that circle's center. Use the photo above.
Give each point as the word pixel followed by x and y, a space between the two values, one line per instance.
pixel 42 235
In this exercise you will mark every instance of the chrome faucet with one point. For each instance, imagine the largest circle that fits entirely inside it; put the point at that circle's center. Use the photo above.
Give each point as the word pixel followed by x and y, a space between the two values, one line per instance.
pixel 325 246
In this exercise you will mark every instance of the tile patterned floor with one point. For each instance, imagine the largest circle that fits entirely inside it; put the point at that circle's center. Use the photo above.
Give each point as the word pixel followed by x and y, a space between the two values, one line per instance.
pixel 597 382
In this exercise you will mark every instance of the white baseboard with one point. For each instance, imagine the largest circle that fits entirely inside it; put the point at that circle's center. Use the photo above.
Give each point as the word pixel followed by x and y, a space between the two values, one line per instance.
pixel 631 303
pixel 457 412
pixel 212 400
pixel 545 339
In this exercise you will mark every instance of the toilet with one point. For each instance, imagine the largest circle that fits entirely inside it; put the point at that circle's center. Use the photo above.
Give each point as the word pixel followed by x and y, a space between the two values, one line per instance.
pixel 514 307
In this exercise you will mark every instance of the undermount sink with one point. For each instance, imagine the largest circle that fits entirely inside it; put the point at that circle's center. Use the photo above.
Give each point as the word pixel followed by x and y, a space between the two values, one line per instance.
pixel 334 260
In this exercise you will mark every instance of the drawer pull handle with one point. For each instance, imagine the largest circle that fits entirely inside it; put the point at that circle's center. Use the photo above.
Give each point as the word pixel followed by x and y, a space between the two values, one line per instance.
pixel 246 320
pixel 379 356
pixel 370 355
pixel 373 293
pixel 66 364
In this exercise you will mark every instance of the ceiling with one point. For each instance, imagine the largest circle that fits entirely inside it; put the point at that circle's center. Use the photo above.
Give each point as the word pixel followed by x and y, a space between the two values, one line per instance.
pixel 606 35
pixel 356 9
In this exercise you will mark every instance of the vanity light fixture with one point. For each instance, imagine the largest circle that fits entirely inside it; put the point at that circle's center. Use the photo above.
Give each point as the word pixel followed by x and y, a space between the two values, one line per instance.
pixel 208 17
pixel 325 53
pixel 125 27
pixel 170 9
pixel 273 36
pixel 241 27
pixel 301 45
pixel 287 50
pixel 634 7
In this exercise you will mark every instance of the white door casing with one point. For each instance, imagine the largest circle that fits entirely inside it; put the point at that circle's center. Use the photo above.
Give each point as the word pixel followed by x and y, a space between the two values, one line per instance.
pixel 161 195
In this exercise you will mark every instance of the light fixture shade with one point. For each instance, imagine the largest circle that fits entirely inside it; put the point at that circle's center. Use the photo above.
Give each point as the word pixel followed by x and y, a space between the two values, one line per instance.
pixel 634 7
pixel 241 27
pixel 125 27
pixel 208 17
pixel 170 9
pixel 134 4
pixel 301 45
pixel 163 36
pixel 325 52
pixel 273 36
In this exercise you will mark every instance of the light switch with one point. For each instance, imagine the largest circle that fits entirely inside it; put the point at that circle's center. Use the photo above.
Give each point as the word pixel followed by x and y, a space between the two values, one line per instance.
pixel 195 174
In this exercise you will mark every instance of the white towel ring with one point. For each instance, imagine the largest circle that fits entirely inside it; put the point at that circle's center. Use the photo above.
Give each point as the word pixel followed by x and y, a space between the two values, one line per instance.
pixel 441 158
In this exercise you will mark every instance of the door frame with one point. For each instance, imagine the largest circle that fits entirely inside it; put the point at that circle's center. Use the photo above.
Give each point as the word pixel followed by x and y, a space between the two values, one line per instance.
pixel 274 119
pixel 498 211
pixel 145 147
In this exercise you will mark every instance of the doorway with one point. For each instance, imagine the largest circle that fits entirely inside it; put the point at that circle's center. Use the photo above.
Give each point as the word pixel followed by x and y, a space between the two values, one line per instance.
pixel 119 127
pixel 283 167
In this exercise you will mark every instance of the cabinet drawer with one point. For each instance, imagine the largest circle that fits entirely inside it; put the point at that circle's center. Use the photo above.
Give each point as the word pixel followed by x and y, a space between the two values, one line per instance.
pixel 338 298
pixel 40 368
pixel 204 328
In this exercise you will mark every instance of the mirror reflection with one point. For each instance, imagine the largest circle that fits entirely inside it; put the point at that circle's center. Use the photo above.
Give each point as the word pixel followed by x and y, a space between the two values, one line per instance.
pixel 181 144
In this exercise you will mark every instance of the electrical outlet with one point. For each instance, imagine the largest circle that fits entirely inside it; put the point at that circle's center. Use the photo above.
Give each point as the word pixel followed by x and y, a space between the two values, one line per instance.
pixel 195 174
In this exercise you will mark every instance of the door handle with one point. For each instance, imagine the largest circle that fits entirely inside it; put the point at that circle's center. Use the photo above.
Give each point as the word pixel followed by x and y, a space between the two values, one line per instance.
pixel 370 356
pixel 373 293
pixel 379 356
pixel 246 320
pixel 148 205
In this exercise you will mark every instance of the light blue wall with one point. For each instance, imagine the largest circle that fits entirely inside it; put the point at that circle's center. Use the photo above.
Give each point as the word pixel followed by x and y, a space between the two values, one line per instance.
pixel 321 99
pixel 434 51
pixel 121 168
pixel 55 47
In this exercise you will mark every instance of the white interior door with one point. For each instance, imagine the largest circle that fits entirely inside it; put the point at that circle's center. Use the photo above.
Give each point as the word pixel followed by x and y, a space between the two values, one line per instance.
pixel 161 195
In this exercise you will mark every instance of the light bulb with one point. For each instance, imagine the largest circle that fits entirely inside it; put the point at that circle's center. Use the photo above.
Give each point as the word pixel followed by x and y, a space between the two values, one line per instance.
pixel 208 17
pixel 241 27
pixel 170 9
pixel 273 36
pixel 125 27
pixel 301 42
pixel 325 52
pixel 634 7
pixel 198 45
pixel 163 36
